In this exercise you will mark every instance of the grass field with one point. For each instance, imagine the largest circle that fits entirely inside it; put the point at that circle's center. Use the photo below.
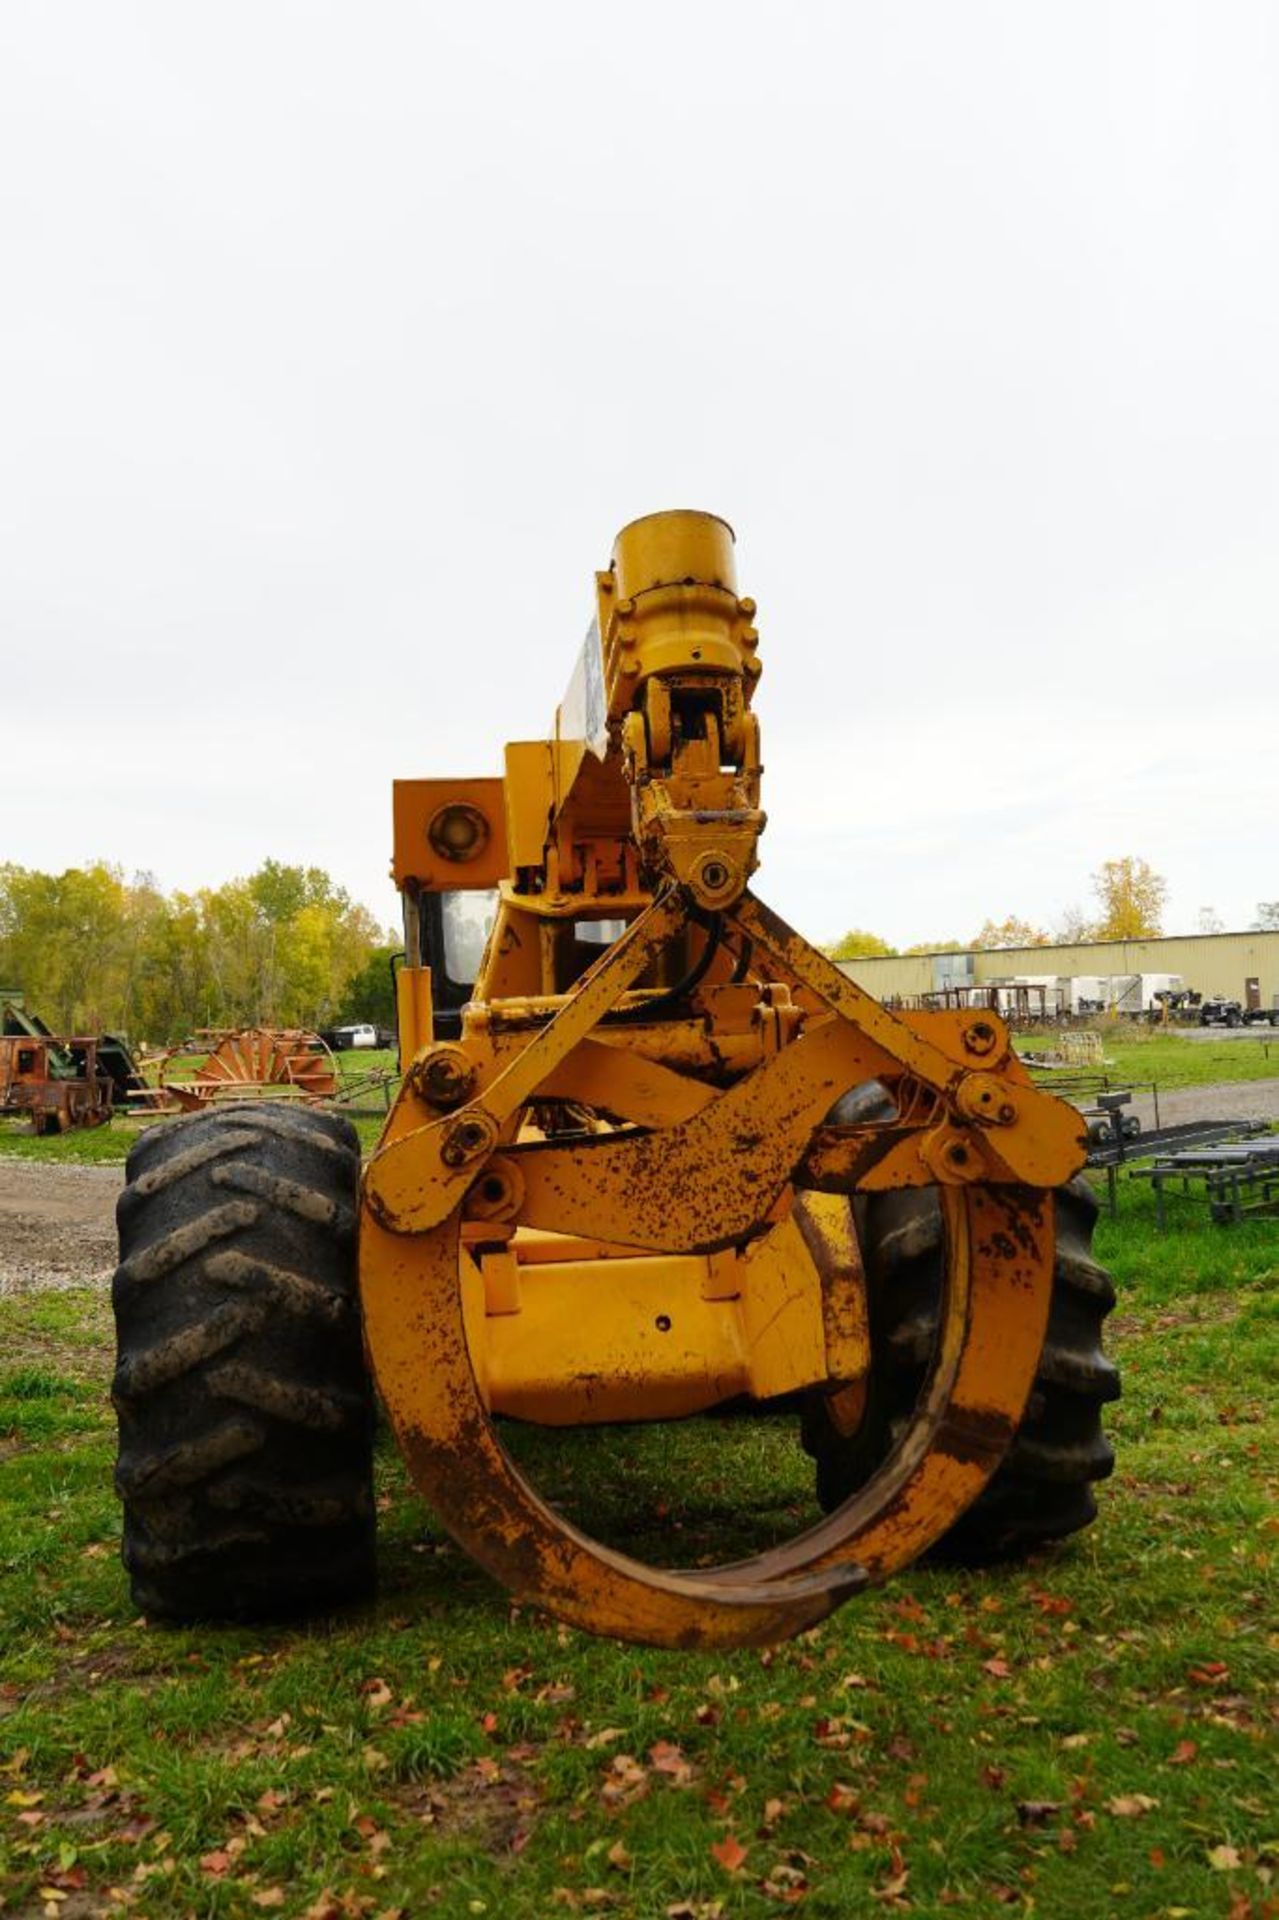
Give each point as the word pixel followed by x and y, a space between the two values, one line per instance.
pixel 1088 1735
pixel 1177 1060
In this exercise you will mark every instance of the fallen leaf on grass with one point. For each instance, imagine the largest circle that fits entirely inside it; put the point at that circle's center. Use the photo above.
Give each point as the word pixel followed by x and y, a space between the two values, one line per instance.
pixel 668 1759
pixel 1224 1859
pixel 1036 1813
pixel 785 1883
pixel 1130 1806
pixel 892 1890
pixel 1182 1754
pixel 1210 1674
pixel 625 1781
pixel 729 1852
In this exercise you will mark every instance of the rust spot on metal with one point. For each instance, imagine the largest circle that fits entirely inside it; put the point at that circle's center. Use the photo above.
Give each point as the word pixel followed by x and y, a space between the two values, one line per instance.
pixel 975 1435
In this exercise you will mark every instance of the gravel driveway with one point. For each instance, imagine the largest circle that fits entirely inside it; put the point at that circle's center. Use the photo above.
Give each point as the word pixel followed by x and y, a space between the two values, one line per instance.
pixel 1228 1100
pixel 57 1225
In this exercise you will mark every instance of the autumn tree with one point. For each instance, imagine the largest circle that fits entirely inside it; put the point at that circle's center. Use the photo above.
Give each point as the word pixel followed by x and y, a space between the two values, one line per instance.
pixel 1267 920
pixel 1074 928
pixel 1132 897
pixel 1011 932
pixel 857 944
pixel 95 952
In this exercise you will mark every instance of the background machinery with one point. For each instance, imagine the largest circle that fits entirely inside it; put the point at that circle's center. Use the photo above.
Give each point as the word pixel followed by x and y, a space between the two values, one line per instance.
pixel 653 1154
pixel 60 1082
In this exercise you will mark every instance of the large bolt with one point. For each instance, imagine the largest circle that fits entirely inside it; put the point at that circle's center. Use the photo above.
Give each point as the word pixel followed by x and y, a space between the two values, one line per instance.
pixel 444 1077
pixel 980 1038
pixel 467 1139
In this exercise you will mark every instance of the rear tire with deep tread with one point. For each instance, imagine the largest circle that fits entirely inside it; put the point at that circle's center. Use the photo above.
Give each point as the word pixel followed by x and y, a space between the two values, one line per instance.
pixel 244 1402
pixel 1043 1491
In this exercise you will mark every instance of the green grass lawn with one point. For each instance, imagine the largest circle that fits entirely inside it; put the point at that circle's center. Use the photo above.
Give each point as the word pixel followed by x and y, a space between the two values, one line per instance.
pixel 87 1146
pixel 1175 1059
pixel 1084 1736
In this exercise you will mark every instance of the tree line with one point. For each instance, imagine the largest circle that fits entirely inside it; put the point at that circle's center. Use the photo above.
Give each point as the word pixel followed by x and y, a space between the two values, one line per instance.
pixel 94 951
pixel 1130 899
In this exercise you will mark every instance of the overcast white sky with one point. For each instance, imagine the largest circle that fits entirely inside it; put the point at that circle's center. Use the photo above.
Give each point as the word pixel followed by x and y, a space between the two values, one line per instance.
pixel 336 344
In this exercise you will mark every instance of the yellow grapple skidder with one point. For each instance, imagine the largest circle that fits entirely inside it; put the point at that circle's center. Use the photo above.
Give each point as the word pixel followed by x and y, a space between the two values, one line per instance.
pixel 653 1153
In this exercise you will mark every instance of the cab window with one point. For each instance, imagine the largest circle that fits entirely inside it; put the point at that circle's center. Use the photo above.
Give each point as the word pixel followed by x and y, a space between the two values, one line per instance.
pixel 467 922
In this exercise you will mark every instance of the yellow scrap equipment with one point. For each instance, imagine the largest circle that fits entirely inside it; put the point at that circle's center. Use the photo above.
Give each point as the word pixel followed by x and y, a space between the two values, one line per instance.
pixel 618 1183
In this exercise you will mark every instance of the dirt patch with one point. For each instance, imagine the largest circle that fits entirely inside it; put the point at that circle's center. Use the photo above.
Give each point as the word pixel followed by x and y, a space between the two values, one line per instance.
pixel 57 1225
pixel 493 1804
pixel 1224 1100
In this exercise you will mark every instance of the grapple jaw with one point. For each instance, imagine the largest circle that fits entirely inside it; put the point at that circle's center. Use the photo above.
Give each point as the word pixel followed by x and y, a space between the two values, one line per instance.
pixel 716 1181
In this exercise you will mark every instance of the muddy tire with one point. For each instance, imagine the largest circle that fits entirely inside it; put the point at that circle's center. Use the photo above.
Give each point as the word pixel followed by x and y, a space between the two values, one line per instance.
pixel 244 1403
pixel 1043 1491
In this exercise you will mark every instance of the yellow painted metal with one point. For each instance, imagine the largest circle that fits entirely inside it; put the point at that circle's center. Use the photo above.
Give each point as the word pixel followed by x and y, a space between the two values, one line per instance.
pixel 418 806
pixel 413 1009
pixel 673 549
pixel 655 1338
pixel 623 1192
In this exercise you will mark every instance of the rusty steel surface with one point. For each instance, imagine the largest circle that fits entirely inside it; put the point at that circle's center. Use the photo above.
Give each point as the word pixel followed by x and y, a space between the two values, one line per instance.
pixel 35 1081
pixel 621 1187
pixel 251 1063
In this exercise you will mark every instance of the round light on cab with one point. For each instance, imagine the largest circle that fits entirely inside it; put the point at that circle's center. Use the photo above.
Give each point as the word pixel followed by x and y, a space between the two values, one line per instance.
pixel 458 832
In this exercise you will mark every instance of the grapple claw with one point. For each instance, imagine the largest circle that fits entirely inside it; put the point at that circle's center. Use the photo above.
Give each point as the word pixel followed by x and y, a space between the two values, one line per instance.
pixel 415 1326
